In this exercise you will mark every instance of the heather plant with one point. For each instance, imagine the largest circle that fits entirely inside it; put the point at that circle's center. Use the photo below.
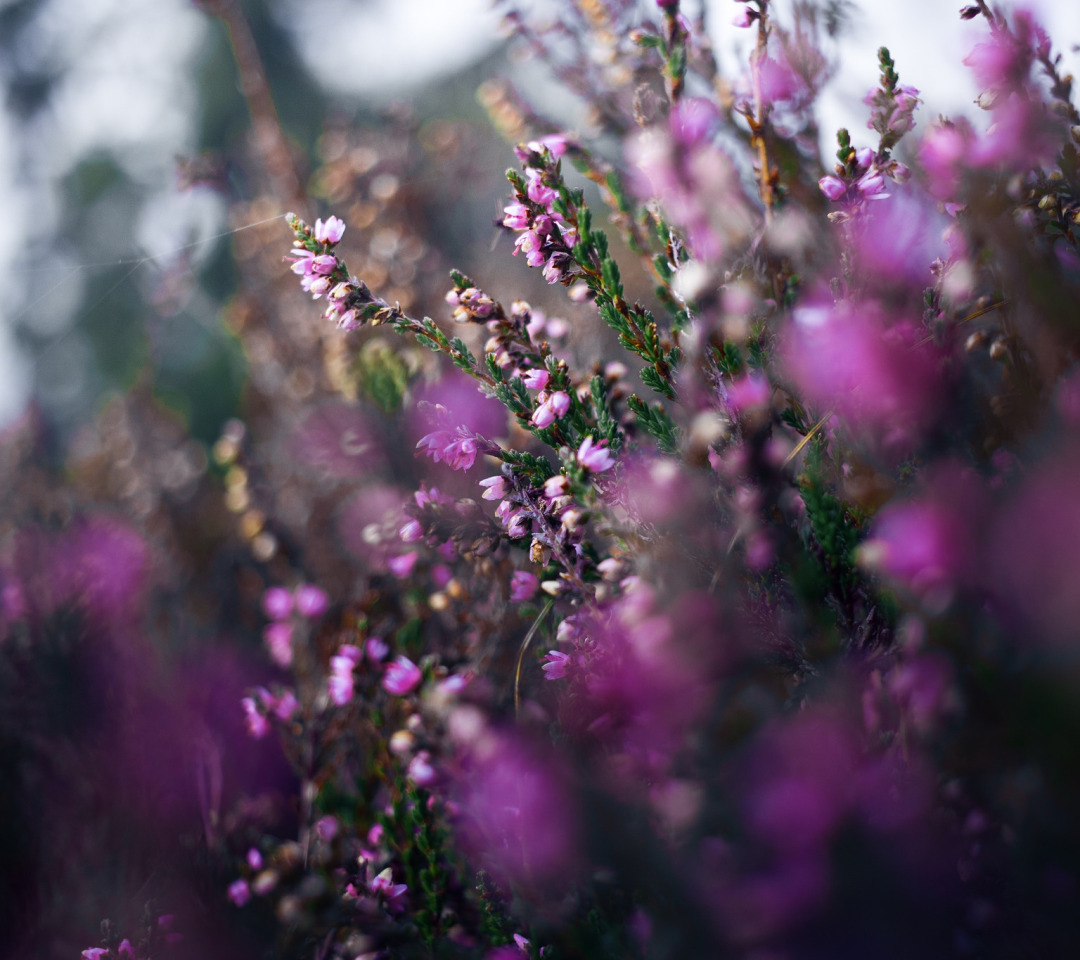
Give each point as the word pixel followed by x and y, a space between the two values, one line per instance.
pixel 715 600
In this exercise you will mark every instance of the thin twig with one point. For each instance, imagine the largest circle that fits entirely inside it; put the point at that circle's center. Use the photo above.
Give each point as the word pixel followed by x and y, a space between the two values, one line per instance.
pixel 521 653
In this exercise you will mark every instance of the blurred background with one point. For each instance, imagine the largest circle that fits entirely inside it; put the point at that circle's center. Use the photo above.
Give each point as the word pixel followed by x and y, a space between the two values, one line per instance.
pixel 124 137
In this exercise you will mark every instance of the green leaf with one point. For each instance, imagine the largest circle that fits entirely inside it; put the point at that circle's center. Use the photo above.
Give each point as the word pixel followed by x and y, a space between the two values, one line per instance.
pixel 650 376
pixel 654 421
pixel 609 270
pixel 458 346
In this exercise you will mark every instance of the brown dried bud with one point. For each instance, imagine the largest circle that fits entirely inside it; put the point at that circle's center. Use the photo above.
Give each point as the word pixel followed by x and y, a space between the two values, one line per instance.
pixel 969 13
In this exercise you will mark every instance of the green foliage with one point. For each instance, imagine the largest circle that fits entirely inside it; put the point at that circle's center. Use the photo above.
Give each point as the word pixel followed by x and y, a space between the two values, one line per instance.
pixel 654 421
pixel 382 376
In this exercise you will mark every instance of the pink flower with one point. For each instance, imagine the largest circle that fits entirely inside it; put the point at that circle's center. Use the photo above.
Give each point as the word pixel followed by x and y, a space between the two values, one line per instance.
pixel 340 681
pixel 411 531
pixel 998 62
pixel 531 243
pixel 392 893
pixel 456 449
pixel 257 724
pixel 239 893
pixel 323 265
pixel 497 488
pixel 536 379
pixel 126 949
pixel 254 859
pixel 555 665
pixel 516 216
pixel 327 828
pixel 518 524
pixel 402 565
pixel 311 601
pixel 302 261
pixel 278 639
pixel 750 391
pixel 538 193
pixel 554 143
pixel 376 649
pixel 552 409
pixel 95 953
pixel 285 705
pixel 833 187
pixel 420 771
pixel 277 603
pixel 743 18
pixel 401 677
pixel 329 232
pixel 872 185
pixel 595 456
pixel 523 586
pixel 555 487
pixel 942 155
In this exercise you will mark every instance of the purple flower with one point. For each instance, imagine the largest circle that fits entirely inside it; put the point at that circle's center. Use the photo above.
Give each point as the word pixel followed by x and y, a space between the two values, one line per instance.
pixel 595 456
pixel 555 665
pixel 523 586
pixel 311 601
pixel 239 893
pixel 411 531
pixel 95 953
pixel 329 232
pixel 327 828
pixel 277 603
pixel 254 859
pixel 401 677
